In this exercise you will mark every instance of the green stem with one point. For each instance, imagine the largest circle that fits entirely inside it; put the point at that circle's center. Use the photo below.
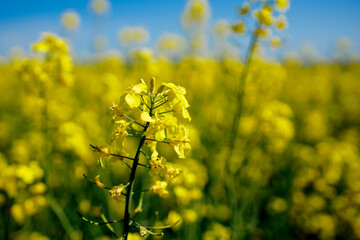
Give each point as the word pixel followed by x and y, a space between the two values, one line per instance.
pixel 240 93
pixel 131 119
pixel 130 187
pixel 147 157
pixel 159 99
pixel 161 104
pixel 61 216
pixel 144 102
pixel 166 112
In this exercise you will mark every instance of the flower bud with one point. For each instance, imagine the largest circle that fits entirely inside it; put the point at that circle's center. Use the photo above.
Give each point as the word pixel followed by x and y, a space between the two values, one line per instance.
pixel 98 182
pixel 152 85
pixel 161 89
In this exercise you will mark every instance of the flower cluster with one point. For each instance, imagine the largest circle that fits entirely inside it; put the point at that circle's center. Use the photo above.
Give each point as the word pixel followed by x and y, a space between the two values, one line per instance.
pixel 58 63
pixel 196 13
pixel 267 16
pixel 151 115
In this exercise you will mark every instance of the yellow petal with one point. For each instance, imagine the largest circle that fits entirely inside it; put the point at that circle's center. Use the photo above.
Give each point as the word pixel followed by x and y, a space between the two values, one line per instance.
pixel 180 151
pixel 154 155
pixel 145 116
pixel 160 135
pixel 186 114
pixel 140 88
pixel 133 100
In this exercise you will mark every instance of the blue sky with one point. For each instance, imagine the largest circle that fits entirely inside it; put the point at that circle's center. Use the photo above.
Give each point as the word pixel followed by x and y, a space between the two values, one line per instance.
pixel 316 22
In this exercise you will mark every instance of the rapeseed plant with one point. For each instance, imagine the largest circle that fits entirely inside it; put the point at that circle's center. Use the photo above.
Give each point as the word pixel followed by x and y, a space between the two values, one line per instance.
pixel 149 114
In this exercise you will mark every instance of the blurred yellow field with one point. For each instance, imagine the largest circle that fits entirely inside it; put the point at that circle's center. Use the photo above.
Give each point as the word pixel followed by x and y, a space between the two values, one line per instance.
pixel 180 146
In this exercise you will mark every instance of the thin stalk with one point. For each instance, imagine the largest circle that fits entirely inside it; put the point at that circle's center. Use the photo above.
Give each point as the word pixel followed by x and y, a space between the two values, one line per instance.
pixel 161 104
pixel 144 102
pixel 147 157
pixel 159 99
pixel 130 187
pixel 131 119
pixel 115 155
pixel 107 188
pixel 240 93
pixel 105 221
pixel 139 207
pixel 166 112
pixel 61 216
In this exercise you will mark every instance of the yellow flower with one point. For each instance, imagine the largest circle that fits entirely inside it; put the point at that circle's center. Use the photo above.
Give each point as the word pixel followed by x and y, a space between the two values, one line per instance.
pixel 141 55
pixel 157 129
pixel 244 9
pixel 117 192
pixel 189 215
pixel 133 35
pixel 275 42
pixel 172 173
pixel 264 16
pixel 217 231
pixel 119 112
pixel 145 116
pixel 172 218
pixel 120 129
pixel 51 42
pixel 262 32
pixel 133 96
pixel 222 28
pixel 151 144
pixel 70 20
pixel 98 182
pixel 17 213
pixel 277 205
pixel 282 5
pixel 239 28
pixel 100 6
pixel 104 151
pixel 143 231
pixel 179 107
pixel 171 44
pixel 58 63
pixel 158 165
pixel 158 124
pixel 160 188
pixel 281 23
pixel 181 141
pixel 38 188
pixel 196 13
pixel 177 100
